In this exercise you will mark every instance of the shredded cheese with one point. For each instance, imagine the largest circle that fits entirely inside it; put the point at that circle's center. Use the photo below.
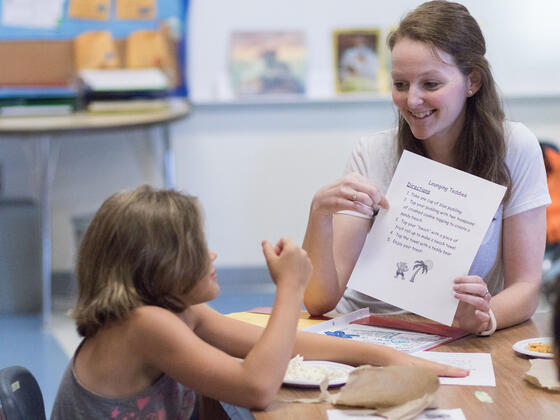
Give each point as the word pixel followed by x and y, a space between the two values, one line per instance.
pixel 539 347
pixel 299 372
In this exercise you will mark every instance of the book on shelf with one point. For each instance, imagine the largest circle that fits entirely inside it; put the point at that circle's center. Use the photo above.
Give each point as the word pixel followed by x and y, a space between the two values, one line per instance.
pixel 124 90
pixel 37 100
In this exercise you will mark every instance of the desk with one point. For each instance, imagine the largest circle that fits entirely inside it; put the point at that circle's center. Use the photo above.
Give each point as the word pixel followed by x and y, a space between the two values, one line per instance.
pixel 513 397
pixel 41 131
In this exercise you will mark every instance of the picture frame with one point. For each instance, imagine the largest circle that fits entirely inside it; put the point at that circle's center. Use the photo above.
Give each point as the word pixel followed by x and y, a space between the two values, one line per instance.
pixel 267 63
pixel 359 62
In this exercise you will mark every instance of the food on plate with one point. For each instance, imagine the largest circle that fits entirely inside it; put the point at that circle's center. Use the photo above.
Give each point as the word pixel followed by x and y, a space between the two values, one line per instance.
pixel 540 347
pixel 300 372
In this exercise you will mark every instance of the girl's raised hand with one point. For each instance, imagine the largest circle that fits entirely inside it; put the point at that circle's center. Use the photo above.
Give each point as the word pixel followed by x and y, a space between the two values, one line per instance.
pixel 351 192
pixel 287 263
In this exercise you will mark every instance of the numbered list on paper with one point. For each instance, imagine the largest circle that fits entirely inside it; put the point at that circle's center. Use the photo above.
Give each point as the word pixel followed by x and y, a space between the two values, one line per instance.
pixel 437 219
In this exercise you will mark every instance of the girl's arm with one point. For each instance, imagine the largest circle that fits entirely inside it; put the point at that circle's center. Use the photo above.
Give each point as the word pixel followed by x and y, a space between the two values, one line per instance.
pixel 170 346
pixel 334 241
pixel 524 239
pixel 237 338
pixel 314 346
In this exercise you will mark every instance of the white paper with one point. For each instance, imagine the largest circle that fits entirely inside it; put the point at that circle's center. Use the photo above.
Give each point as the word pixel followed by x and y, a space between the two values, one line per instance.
pixel 402 340
pixel 429 236
pixel 124 79
pixel 32 13
pixel 338 322
pixel 450 414
pixel 479 365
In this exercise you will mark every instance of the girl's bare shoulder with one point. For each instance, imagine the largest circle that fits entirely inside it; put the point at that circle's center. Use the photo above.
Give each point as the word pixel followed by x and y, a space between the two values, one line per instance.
pixel 161 323
pixel 154 318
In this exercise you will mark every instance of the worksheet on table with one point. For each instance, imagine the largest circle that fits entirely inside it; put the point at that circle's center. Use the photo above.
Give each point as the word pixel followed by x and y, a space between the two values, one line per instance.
pixel 405 340
pixel 479 365
pixel 437 219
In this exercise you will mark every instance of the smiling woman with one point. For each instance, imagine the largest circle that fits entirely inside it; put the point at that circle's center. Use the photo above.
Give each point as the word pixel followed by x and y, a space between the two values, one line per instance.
pixel 449 111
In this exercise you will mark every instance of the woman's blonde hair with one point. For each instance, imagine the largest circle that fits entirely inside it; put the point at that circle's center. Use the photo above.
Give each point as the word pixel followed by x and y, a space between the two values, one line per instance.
pixel 449 27
pixel 143 247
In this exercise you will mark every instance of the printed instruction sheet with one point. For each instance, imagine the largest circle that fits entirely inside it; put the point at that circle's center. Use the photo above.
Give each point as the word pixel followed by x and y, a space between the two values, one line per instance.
pixel 430 235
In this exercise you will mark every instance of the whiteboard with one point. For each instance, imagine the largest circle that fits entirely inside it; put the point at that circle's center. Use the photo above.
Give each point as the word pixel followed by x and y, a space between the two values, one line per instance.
pixel 523 40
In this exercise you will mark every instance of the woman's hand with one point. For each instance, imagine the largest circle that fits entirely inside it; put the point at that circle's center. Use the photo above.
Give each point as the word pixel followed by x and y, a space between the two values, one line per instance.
pixel 473 312
pixel 351 192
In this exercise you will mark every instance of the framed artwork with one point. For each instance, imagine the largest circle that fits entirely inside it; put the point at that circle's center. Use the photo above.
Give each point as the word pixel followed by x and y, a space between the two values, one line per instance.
pixel 385 79
pixel 267 63
pixel 359 65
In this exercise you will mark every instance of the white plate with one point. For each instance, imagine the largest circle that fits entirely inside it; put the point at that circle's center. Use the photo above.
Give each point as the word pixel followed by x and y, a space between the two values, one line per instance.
pixel 325 365
pixel 523 347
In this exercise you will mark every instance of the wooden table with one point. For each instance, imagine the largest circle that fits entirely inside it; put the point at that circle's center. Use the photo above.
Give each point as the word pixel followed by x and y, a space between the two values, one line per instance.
pixel 513 397
pixel 41 130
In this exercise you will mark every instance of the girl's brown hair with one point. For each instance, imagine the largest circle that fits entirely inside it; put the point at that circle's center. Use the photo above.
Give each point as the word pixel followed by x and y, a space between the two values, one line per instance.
pixel 449 27
pixel 143 247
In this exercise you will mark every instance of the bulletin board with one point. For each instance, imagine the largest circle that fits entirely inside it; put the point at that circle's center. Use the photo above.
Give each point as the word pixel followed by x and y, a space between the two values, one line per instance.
pixel 37 36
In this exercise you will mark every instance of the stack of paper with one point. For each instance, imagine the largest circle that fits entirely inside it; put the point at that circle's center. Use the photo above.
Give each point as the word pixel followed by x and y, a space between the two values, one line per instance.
pixel 124 90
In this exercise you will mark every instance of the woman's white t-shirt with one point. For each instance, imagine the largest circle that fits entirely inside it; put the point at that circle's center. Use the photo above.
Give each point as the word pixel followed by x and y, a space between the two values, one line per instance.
pixel 376 158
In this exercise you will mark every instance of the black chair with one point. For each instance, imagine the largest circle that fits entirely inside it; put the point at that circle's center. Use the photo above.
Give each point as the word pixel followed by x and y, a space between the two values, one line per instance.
pixel 20 395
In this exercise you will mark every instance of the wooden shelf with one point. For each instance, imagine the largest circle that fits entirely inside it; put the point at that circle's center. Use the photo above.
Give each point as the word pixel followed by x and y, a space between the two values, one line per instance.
pixel 351 99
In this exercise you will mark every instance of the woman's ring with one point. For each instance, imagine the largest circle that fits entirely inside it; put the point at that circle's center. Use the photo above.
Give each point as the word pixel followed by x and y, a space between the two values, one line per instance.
pixel 354 196
pixel 486 294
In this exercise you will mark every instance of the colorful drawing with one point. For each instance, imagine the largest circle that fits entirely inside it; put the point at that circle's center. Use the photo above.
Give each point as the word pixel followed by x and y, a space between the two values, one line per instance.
pixel 136 9
pixel 357 61
pixel 89 9
pixel 267 63
pixel 340 334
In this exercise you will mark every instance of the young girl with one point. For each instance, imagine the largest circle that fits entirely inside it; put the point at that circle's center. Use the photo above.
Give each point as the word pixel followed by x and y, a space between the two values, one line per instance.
pixel 150 342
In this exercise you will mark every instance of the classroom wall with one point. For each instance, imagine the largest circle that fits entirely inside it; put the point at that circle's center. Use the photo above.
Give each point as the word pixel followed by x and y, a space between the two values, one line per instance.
pixel 522 40
pixel 256 166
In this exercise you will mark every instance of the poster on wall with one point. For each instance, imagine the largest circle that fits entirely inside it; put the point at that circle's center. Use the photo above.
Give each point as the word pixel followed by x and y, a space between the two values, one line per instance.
pixel 359 64
pixel 136 9
pixel 44 14
pixel 89 9
pixel 267 63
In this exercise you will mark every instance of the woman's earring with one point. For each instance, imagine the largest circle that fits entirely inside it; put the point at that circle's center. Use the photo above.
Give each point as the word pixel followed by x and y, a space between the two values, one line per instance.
pixel 469 92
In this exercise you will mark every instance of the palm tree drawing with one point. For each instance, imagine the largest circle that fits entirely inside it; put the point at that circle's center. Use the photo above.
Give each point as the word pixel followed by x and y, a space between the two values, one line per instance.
pixel 421 266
